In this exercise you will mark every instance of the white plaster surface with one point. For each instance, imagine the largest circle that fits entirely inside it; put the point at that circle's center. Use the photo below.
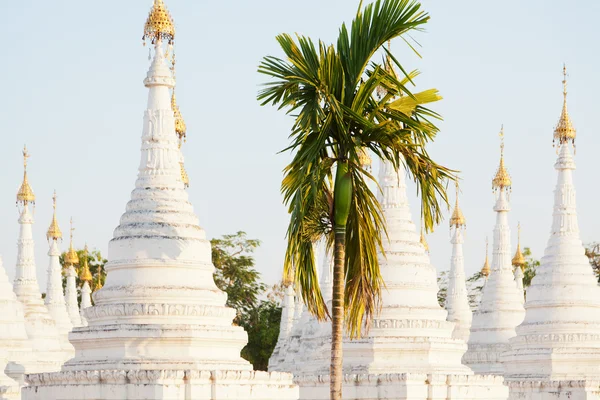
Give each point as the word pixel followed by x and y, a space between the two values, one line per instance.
pixel 71 296
pixel 457 296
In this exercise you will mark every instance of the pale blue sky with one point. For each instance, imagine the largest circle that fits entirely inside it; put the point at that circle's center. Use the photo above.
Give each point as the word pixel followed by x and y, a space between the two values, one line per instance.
pixel 72 77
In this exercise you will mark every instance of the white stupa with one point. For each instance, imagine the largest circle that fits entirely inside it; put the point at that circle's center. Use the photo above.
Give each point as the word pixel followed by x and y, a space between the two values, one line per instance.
pixel 501 306
pixel 285 327
pixel 457 296
pixel 15 348
pixel 86 290
pixel 159 328
pixel 42 332
pixel 55 298
pixel 556 353
pixel 409 352
pixel 71 259
pixel 518 263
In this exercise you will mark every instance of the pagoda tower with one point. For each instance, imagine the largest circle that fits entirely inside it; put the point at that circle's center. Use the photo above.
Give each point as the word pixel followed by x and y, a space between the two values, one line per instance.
pixel 457 297
pixel 518 263
pixel 86 290
pixel 15 346
pixel 486 270
pixel 71 259
pixel 556 351
pixel 41 328
pixel 285 327
pixel 501 306
pixel 159 328
pixel 55 298
pixel 409 351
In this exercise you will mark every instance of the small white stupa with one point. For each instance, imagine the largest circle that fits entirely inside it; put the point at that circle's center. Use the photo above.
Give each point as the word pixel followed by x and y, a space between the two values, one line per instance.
pixel 518 263
pixel 285 327
pixel 14 344
pixel 501 306
pixel 409 352
pixel 556 353
pixel 71 259
pixel 55 298
pixel 159 328
pixel 457 297
pixel 41 329
pixel 86 290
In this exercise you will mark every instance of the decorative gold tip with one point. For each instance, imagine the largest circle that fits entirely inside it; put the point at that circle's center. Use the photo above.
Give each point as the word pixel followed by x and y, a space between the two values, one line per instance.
pixel 180 127
pixel 458 219
pixel 99 284
pixel 71 257
pixel 564 131
pixel 184 176
pixel 502 179
pixel 159 25
pixel 519 260
pixel 86 275
pixel 54 231
pixel 25 194
pixel 485 271
pixel 364 159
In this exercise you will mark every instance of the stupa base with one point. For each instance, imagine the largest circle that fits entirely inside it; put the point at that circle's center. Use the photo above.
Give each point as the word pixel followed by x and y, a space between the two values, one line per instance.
pixel 407 387
pixel 160 385
pixel 555 390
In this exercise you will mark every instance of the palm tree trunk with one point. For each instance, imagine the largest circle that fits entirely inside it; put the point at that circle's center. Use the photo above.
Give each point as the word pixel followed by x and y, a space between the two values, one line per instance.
pixel 337 316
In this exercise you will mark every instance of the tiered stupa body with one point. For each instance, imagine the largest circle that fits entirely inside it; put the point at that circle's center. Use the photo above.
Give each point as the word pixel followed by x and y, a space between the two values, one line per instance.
pixel 457 296
pixel 55 298
pixel 501 306
pixel 409 352
pixel 159 328
pixel 14 344
pixel 41 329
pixel 556 353
pixel 71 259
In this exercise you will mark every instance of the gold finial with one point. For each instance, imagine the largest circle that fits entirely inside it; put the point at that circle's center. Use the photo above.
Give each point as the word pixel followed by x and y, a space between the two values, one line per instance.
pixel 99 284
pixel 502 179
pixel 564 131
pixel 457 219
pixel 422 239
pixel 180 127
pixel 519 260
pixel 485 271
pixel 86 275
pixel 54 232
pixel 184 176
pixel 159 25
pixel 25 194
pixel 71 257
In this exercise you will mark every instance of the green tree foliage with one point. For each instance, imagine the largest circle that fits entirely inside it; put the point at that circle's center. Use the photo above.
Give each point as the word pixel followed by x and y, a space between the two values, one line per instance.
pixel 530 268
pixel 235 275
pixel 96 263
pixel 592 251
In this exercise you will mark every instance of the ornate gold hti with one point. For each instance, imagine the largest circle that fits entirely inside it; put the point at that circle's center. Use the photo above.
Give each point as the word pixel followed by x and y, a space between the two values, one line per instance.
pixel 25 194
pixel 564 131
pixel 159 25
pixel 485 271
pixel 502 179
pixel 457 219
pixel 54 232
pixel 86 275
pixel 71 257
pixel 519 260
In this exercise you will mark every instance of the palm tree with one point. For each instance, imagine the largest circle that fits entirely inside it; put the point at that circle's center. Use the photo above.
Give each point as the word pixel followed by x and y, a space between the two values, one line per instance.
pixel 339 119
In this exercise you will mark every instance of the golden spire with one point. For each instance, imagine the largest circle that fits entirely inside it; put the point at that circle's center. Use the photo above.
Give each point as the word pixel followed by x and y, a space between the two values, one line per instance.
pixel 184 176
pixel 485 271
pixel 159 24
pixel 564 131
pixel 86 275
pixel 422 239
pixel 25 194
pixel 519 260
pixel 71 257
pixel 458 219
pixel 54 232
pixel 180 127
pixel 502 179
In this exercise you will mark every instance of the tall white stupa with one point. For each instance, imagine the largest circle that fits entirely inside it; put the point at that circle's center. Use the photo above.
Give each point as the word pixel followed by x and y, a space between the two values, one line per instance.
pixel 501 306
pixel 86 290
pixel 159 328
pixel 457 296
pixel 55 298
pixel 285 327
pixel 409 351
pixel 518 262
pixel 43 334
pixel 71 259
pixel 556 353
